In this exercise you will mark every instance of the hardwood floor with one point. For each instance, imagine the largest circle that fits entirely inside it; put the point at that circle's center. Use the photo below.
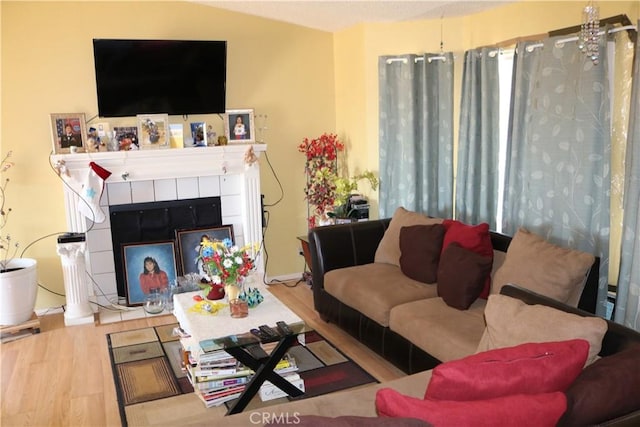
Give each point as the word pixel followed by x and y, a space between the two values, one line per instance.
pixel 62 376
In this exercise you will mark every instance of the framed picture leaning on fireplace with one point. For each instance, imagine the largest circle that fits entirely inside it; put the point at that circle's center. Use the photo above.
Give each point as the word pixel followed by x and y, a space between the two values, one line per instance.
pixel 239 126
pixel 189 245
pixel 68 132
pixel 147 265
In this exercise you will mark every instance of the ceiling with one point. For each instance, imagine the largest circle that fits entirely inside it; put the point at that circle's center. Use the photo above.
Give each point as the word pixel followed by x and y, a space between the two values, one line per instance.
pixel 336 15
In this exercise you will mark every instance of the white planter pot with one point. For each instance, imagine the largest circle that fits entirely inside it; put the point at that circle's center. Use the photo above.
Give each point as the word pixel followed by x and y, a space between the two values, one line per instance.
pixel 18 291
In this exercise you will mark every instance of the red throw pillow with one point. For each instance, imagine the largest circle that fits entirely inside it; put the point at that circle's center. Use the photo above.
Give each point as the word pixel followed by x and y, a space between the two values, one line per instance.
pixel 606 389
pixel 420 247
pixel 461 276
pixel 519 410
pixel 475 238
pixel 531 368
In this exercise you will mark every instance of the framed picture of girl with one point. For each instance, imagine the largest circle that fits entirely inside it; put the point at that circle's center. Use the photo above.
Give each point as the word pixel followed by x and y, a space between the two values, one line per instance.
pixel 68 133
pixel 147 266
pixel 239 126
pixel 189 245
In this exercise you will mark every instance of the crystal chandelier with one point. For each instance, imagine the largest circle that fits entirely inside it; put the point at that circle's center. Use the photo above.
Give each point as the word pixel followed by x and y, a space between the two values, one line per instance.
pixel 588 38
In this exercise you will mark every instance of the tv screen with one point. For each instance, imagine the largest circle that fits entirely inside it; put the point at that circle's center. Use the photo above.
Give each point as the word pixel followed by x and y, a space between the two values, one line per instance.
pixel 177 77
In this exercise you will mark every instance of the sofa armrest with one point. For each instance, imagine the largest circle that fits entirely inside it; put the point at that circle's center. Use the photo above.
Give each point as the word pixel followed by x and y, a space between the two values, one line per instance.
pixel 343 245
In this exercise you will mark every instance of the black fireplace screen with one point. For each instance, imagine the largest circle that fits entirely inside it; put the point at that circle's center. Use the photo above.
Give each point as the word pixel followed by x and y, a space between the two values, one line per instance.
pixel 157 221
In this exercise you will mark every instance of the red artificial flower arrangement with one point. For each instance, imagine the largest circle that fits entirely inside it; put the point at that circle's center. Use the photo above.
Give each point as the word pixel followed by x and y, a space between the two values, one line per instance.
pixel 321 169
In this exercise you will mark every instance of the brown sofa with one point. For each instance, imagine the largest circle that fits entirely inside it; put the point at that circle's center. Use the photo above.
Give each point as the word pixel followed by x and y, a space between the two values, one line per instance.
pixel 402 319
pixel 361 402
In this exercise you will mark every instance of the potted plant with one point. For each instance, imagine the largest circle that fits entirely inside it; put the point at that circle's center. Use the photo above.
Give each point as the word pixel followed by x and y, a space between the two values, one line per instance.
pixel 18 276
pixel 345 189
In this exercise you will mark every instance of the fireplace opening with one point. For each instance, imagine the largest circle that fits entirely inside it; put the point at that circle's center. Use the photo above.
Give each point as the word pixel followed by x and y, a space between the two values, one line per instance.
pixel 150 222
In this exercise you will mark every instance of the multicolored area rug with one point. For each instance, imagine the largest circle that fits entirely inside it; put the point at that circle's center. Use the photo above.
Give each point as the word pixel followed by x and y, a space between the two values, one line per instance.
pixel 146 365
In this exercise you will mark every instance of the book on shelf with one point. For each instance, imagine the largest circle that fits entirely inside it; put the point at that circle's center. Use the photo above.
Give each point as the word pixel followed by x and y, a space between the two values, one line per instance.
pixel 214 394
pixel 220 384
pixel 268 391
pixel 286 365
pixel 216 399
pixel 203 376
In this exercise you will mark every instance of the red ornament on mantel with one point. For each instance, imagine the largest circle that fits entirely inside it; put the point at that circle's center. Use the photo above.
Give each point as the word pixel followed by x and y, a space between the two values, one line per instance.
pixel 216 292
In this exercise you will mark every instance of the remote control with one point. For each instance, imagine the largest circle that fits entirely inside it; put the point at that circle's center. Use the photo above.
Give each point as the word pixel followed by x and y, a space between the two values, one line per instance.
pixel 284 328
pixel 262 336
pixel 269 331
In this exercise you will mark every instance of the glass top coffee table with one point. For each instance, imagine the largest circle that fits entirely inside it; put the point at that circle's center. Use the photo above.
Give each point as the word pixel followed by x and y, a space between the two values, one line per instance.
pixel 208 333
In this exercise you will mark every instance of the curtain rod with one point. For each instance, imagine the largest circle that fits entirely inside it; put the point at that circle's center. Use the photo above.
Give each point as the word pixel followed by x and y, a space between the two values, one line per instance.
pixel 530 48
pixel 418 59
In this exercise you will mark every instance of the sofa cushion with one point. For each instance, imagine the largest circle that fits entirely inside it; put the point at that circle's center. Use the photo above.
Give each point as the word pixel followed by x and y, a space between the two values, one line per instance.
pixel 345 421
pixel 462 276
pixel 442 331
pixel 374 289
pixel 530 368
pixel 545 268
pixel 514 410
pixel 511 322
pixel 475 238
pixel 420 247
pixel 607 389
pixel 388 250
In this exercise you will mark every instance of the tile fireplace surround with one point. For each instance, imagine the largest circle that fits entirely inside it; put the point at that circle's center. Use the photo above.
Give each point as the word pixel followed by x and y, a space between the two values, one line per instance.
pixel 162 175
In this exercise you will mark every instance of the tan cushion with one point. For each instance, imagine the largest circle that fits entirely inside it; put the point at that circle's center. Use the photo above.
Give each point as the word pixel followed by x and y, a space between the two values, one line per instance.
pixel 373 289
pixel 388 250
pixel 511 322
pixel 543 267
pixel 444 332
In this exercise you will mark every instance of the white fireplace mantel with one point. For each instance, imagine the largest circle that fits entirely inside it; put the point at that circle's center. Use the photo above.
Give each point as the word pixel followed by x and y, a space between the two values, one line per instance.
pixel 143 165
pixel 136 167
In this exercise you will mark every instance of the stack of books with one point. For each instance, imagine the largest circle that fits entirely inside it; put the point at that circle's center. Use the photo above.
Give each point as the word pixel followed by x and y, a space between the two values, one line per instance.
pixel 287 368
pixel 217 377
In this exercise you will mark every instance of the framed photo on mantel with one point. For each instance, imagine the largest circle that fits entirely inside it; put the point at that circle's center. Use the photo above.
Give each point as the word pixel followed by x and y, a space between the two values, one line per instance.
pixel 153 131
pixel 239 126
pixel 68 133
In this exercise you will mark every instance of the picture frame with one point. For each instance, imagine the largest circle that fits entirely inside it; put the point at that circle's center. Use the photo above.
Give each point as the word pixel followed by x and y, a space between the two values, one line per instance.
pixel 135 256
pixel 189 244
pixel 198 134
pixel 126 138
pixel 68 133
pixel 245 132
pixel 153 131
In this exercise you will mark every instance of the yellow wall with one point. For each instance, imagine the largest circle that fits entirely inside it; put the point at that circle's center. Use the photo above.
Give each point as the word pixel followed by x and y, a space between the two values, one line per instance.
pixel 306 81
pixel 282 70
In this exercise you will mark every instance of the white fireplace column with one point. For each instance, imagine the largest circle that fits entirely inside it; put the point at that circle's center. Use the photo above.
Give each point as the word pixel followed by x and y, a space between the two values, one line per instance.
pixel 72 254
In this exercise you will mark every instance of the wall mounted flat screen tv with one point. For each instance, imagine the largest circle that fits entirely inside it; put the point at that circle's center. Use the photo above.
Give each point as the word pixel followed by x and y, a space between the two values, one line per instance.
pixel 178 77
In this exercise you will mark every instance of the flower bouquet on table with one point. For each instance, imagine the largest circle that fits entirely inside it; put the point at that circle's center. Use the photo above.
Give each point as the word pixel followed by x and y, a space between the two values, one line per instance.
pixel 227 266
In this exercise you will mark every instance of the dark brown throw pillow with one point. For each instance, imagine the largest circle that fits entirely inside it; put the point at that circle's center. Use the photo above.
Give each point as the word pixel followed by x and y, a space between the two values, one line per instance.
pixel 420 247
pixel 606 389
pixel 461 276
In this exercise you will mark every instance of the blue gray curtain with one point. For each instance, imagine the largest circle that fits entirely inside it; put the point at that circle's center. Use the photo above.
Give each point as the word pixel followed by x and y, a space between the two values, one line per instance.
pixel 627 310
pixel 558 150
pixel 416 134
pixel 479 139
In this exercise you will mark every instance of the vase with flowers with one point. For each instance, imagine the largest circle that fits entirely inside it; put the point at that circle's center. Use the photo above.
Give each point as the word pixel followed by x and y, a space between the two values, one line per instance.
pixel 227 265
pixel 18 276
